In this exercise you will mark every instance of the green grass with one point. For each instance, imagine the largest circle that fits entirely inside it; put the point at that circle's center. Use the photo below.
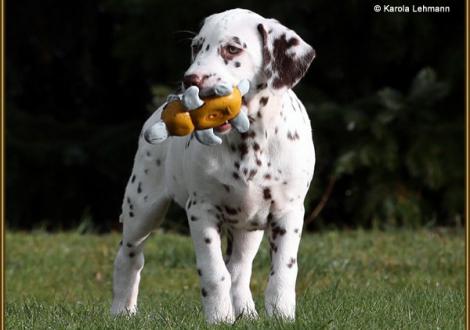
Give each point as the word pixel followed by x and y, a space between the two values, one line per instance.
pixel 347 280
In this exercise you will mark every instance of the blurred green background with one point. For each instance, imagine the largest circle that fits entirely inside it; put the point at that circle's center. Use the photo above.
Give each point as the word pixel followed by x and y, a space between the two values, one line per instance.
pixel 385 96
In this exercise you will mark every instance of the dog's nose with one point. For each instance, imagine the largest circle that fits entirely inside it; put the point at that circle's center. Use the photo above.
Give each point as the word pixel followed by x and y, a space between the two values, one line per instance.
pixel 192 80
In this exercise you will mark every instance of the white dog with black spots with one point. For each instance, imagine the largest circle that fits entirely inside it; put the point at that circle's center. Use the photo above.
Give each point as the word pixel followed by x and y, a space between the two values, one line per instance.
pixel 252 183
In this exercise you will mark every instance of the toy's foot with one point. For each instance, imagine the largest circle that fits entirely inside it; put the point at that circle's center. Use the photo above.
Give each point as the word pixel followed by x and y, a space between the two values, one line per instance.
pixel 173 97
pixel 191 98
pixel 244 86
pixel 222 89
pixel 241 121
pixel 156 133
pixel 207 137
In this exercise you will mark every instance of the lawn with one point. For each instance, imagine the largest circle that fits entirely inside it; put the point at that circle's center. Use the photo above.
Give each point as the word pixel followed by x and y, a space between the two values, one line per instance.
pixel 347 280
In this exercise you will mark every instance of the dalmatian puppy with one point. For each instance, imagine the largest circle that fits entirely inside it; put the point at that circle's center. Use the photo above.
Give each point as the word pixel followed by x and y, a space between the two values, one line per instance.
pixel 251 183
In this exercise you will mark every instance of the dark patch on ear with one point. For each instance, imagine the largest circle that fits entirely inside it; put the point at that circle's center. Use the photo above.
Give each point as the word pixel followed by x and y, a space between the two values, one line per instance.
pixel 264 39
pixel 289 68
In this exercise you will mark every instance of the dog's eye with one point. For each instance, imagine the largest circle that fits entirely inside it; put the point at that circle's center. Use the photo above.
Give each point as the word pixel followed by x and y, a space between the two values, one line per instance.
pixel 233 50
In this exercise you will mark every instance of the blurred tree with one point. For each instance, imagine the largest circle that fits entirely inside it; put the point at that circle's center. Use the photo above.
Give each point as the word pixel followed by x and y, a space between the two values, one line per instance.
pixel 385 96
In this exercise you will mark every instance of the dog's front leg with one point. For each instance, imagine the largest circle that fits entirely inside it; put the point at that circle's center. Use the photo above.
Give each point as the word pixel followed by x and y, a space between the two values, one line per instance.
pixel 214 276
pixel 284 238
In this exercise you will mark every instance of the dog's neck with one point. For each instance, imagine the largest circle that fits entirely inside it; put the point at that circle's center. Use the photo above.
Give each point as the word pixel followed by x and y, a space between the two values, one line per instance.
pixel 265 112
pixel 264 106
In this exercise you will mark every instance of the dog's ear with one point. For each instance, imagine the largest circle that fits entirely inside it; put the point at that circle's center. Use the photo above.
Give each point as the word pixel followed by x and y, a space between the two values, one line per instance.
pixel 286 57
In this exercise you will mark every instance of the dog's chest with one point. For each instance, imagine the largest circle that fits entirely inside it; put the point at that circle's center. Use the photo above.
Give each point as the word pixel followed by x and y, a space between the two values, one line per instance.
pixel 251 176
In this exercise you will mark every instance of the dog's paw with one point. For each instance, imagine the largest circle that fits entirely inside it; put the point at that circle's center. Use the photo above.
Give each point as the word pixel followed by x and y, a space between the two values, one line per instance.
pixel 280 307
pixel 118 309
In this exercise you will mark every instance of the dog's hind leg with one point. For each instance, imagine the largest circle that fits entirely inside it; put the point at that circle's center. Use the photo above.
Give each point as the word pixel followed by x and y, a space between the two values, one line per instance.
pixel 141 215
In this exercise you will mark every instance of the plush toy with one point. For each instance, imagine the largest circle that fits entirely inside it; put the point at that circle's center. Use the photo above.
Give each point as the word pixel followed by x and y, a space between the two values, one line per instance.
pixel 188 113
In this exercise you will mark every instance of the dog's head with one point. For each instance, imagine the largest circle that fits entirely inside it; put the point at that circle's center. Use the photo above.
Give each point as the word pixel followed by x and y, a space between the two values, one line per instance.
pixel 239 44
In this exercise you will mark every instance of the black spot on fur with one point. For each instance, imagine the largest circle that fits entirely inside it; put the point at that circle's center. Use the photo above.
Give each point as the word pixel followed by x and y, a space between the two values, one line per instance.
pixel 252 174
pixel 291 262
pixel 237 165
pixel 256 146
pixel 129 245
pixel 131 214
pixel 243 148
pixel 237 40
pixel 237 64
pixel 199 272
pixel 207 240
pixel 226 187
pixel 273 247
pixel 230 210
pixel 235 175
pixel 139 188
pixel 193 218
pixel 133 178
pixel 267 176
pixel 267 193
pixel 261 86
pixel 208 47
pixel 293 136
pixel 158 162
pixel 204 292
pixel 263 101
pixel 131 255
